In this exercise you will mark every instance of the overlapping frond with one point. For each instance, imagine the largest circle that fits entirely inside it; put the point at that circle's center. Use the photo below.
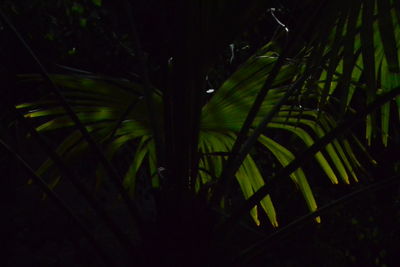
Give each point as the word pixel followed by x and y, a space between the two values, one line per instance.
pixel 226 111
pixel 102 103
pixel 361 54
pixel 363 57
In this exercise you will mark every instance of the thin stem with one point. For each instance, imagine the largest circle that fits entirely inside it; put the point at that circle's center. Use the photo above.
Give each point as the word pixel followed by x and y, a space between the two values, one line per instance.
pixel 146 83
pixel 242 141
pixel 306 156
pixel 113 174
pixel 59 202
pixel 74 179
pixel 268 241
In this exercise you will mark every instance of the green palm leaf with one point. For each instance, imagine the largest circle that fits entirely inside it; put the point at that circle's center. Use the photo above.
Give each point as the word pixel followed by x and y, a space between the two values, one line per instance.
pixel 364 59
pixel 100 102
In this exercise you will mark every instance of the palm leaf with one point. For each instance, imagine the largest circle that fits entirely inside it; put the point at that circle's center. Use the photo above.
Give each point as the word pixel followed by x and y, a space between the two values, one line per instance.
pixel 92 99
pixel 364 57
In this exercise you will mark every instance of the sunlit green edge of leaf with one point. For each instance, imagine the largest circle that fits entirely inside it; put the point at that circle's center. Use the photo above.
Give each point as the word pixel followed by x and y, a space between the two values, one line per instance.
pixel 331 150
pixel 326 125
pixel 303 135
pixel 248 176
pixel 130 177
pixel 284 157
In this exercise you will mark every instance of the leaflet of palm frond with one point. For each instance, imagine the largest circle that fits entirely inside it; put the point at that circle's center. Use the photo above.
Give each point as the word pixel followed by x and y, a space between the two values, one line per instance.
pixel 389 81
pixel 284 157
pixel 309 153
pixel 332 63
pixel 248 176
pixel 387 33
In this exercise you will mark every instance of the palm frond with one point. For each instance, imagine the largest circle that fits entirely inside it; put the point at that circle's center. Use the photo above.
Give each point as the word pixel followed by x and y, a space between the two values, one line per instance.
pixel 364 57
pixel 99 103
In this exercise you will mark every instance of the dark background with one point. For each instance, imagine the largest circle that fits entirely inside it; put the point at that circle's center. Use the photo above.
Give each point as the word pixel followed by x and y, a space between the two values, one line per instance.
pixel 86 36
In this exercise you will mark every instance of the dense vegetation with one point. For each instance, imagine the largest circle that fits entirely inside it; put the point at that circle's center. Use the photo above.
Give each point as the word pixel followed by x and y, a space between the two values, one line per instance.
pixel 200 133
